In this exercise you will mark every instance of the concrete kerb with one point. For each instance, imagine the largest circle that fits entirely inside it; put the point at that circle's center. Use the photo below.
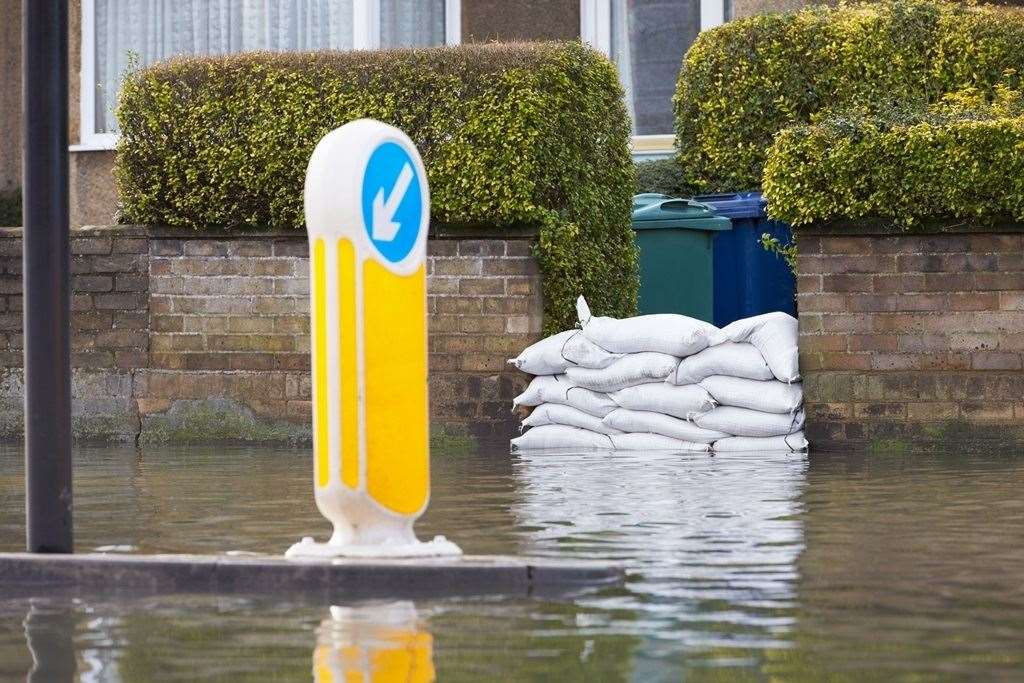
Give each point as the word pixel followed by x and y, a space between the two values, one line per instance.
pixel 335 579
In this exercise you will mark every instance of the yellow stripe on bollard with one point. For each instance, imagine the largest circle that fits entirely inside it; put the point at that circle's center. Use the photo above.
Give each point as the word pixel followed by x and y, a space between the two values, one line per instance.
pixel 397 443
pixel 349 369
pixel 320 390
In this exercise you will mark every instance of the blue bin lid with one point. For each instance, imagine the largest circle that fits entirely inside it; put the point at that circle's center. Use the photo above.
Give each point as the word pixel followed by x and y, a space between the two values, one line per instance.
pixel 736 204
pixel 652 210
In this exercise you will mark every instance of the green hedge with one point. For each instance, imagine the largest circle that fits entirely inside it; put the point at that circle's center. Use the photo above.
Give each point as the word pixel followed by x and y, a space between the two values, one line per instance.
pixel 664 176
pixel 960 158
pixel 10 209
pixel 743 82
pixel 511 135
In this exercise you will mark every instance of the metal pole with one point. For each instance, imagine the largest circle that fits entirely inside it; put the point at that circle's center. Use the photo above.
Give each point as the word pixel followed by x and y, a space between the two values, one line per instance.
pixel 46 266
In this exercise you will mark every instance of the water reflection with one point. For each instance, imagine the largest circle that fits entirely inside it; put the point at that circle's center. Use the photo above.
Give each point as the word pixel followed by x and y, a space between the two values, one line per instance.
pixel 374 643
pixel 49 633
pixel 913 564
pixel 740 568
pixel 712 544
pixel 208 500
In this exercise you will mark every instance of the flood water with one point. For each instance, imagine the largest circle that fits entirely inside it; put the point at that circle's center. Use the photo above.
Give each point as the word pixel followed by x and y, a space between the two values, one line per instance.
pixel 750 568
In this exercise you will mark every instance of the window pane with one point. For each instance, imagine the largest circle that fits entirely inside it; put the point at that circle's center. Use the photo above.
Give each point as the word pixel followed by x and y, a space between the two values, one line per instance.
pixel 649 39
pixel 411 23
pixel 140 32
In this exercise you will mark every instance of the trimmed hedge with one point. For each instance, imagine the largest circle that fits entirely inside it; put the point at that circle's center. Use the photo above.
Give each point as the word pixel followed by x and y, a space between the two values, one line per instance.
pixel 959 159
pixel 663 176
pixel 522 134
pixel 743 82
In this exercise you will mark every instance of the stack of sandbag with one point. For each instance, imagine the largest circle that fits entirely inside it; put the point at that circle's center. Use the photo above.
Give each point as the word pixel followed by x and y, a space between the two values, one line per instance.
pixel 664 382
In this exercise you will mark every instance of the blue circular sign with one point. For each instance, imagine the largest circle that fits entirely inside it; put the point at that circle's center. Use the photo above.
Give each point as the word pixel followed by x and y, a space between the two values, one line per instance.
pixel 392 201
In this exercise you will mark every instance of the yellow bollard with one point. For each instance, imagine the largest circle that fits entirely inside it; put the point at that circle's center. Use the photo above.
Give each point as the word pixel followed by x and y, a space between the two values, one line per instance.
pixel 377 643
pixel 367 213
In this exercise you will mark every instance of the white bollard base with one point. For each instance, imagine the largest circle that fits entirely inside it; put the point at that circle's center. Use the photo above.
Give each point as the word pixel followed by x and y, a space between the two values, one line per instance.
pixel 308 548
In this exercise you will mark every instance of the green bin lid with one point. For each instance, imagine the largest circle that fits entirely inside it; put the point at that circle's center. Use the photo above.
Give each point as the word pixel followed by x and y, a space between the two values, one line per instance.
pixel 652 211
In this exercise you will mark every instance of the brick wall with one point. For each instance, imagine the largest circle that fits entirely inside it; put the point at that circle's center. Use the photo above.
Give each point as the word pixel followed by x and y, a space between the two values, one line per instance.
pixel 485 307
pixel 109 329
pixel 196 337
pixel 912 340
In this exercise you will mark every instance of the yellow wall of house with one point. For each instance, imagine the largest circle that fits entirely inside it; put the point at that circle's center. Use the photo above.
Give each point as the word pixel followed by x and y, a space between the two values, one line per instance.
pixel 92 194
pixel 10 95
pixel 746 8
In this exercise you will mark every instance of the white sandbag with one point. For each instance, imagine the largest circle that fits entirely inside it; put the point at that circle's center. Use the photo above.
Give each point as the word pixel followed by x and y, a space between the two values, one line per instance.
pixel 543 389
pixel 745 422
pixel 656 423
pixel 545 357
pixel 559 414
pixel 631 369
pixel 655 442
pixel 768 396
pixel 775 335
pixel 675 335
pixel 662 397
pixel 793 443
pixel 729 358
pixel 586 354
pixel 559 389
pixel 560 436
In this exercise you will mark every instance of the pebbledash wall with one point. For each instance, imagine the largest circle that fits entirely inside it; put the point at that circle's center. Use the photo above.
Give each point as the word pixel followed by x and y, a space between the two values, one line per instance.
pixel 912 340
pixel 193 337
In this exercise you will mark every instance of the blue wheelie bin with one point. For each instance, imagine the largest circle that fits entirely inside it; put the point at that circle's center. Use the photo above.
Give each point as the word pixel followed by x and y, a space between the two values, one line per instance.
pixel 749 280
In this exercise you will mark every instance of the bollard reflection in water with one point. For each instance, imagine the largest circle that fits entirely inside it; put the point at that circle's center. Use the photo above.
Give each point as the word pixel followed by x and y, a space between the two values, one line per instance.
pixel 374 643
pixel 49 633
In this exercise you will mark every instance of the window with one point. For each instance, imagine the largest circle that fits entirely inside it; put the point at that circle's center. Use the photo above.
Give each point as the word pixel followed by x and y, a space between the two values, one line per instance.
pixel 647 40
pixel 120 34
pixel 412 23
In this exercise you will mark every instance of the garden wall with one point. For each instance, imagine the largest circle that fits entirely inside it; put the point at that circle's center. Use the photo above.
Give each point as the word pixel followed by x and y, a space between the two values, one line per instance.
pixel 912 340
pixel 206 337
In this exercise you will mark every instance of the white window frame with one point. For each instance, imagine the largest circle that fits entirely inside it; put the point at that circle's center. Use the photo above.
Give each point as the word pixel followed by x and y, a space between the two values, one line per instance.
pixel 365 36
pixel 596 29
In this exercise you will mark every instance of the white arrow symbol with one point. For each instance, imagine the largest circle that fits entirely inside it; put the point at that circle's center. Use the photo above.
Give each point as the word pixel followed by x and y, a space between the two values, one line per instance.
pixel 384 226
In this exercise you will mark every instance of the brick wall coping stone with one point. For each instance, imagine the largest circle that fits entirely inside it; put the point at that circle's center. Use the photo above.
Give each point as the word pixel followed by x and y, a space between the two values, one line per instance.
pixel 89 231
pixel 439 232
pixel 884 227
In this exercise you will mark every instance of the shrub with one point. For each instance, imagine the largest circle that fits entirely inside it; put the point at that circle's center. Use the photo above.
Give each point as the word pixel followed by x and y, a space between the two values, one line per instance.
pixel 957 159
pixel 743 82
pixel 527 134
pixel 664 176
pixel 10 209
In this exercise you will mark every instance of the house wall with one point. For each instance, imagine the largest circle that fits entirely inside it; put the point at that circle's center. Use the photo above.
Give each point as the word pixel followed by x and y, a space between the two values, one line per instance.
pixel 201 337
pixel 746 8
pixel 914 340
pixel 10 95
pixel 93 196
pixel 486 20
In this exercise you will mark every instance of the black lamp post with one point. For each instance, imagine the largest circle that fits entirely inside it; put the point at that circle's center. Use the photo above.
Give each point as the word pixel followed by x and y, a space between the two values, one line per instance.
pixel 46 267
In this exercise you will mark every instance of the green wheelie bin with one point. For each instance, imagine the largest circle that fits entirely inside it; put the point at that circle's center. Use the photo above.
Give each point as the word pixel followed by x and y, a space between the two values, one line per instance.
pixel 675 238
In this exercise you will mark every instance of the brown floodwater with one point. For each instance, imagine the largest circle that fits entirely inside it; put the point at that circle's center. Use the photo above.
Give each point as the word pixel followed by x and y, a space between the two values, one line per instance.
pixel 740 567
